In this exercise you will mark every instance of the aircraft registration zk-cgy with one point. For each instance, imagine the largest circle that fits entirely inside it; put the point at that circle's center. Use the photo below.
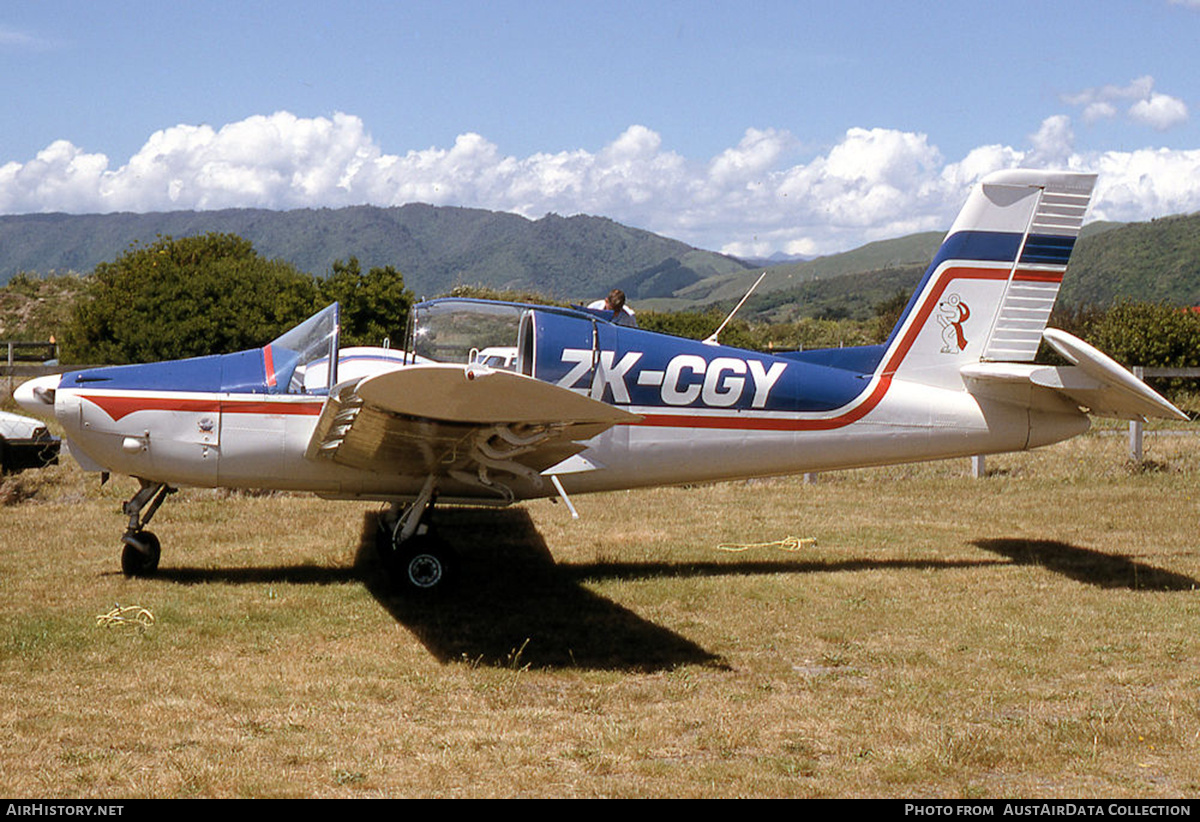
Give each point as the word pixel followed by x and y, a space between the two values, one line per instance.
pixel 685 380
pixel 493 402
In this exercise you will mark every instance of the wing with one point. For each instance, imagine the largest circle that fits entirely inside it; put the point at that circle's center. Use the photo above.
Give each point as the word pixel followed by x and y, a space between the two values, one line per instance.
pixel 484 428
pixel 1095 383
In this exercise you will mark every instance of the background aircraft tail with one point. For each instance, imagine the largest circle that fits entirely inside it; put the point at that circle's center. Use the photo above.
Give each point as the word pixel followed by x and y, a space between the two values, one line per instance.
pixel 992 284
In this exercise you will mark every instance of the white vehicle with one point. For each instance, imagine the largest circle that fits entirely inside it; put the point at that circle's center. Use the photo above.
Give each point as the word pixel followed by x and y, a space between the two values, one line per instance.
pixel 498 356
pixel 25 443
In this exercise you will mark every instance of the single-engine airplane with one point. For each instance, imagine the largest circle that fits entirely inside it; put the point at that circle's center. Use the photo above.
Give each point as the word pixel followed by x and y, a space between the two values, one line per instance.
pixel 582 404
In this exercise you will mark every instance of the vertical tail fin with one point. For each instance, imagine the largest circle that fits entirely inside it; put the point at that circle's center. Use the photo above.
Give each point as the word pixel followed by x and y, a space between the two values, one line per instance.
pixel 991 286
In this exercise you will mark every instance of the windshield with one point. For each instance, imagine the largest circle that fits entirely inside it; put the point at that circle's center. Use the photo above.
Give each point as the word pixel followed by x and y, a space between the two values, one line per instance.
pixel 298 362
pixel 456 331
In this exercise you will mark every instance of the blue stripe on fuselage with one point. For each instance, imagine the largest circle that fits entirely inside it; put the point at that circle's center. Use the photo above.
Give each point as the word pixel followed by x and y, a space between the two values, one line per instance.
pixel 242 372
pixel 647 369
pixel 861 359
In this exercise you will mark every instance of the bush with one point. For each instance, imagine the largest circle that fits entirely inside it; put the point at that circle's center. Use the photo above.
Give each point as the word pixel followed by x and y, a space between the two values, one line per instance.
pixel 1149 334
pixel 215 295
pixel 185 298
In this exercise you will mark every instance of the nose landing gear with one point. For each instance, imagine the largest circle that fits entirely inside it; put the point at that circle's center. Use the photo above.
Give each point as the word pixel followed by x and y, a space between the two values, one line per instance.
pixel 139 557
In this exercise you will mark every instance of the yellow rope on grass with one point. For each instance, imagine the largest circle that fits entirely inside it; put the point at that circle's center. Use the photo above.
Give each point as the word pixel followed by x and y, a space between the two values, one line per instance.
pixel 128 615
pixel 785 544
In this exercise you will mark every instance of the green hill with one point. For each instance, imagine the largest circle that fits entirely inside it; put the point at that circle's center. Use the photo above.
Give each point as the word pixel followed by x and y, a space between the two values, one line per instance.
pixel 915 249
pixel 854 296
pixel 837 287
pixel 1156 261
pixel 582 257
pixel 435 248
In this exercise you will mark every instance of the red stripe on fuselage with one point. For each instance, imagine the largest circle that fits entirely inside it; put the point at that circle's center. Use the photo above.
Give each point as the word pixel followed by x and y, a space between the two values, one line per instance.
pixel 118 407
pixel 769 423
pixel 886 373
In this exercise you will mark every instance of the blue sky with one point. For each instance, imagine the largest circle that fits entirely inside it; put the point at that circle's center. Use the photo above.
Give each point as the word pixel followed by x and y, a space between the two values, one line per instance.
pixel 742 126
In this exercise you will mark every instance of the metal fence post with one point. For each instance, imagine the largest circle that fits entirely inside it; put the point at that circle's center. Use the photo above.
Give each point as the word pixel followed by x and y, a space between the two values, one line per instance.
pixel 1135 426
pixel 978 466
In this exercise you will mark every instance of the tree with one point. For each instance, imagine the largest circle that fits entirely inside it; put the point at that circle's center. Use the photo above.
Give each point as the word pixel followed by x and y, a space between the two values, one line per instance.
pixel 183 298
pixel 374 306
pixel 698 326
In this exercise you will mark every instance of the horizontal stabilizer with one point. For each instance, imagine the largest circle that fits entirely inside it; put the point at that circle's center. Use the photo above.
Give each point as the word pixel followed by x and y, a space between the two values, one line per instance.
pixel 1094 382
pixel 1125 395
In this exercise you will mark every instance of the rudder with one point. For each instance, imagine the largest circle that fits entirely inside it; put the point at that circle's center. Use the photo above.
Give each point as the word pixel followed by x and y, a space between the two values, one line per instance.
pixel 989 291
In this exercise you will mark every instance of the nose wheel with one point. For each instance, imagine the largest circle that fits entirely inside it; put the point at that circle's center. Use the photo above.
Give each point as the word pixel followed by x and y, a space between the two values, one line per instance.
pixel 141 551
pixel 139 557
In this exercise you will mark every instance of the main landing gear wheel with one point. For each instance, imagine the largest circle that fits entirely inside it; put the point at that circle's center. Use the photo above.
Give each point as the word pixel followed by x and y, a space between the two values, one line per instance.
pixel 423 565
pixel 416 560
pixel 139 557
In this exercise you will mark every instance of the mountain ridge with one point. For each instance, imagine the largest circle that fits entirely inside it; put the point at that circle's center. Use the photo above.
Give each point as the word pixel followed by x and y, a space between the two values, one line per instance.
pixel 581 257
pixel 435 247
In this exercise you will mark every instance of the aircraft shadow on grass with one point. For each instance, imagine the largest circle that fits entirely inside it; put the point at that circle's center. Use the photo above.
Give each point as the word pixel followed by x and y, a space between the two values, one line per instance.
pixel 513 605
pixel 1085 565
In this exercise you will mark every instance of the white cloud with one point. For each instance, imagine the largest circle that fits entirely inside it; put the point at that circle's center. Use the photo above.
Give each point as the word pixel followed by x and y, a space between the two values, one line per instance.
pixel 757 153
pixel 1146 106
pixel 1053 143
pixel 1138 89
pixel 1147 183
pixel 1159 111
pixel 753 198
pixel 1099 110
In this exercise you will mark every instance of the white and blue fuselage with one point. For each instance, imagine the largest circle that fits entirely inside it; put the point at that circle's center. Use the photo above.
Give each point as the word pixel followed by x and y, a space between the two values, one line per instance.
pixel 702 412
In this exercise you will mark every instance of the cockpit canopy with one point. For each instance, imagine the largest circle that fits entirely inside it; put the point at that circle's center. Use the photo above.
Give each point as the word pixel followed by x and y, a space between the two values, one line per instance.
pixel 298 361
pixel 465 331
pixel 451 330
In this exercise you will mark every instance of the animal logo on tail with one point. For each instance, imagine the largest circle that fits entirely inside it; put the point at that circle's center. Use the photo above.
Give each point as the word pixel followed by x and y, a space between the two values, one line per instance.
pixel 952 313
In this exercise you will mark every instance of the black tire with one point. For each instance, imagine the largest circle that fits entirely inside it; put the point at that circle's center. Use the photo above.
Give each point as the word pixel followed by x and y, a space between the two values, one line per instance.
pixel 423 565
pixel 141 561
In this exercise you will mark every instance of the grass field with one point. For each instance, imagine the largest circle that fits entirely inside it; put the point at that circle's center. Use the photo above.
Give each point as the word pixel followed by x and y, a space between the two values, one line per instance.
pixel 1035 633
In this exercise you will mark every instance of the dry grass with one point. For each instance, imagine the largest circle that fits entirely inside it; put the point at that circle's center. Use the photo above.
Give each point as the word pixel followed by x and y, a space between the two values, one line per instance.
pixel 1034 633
